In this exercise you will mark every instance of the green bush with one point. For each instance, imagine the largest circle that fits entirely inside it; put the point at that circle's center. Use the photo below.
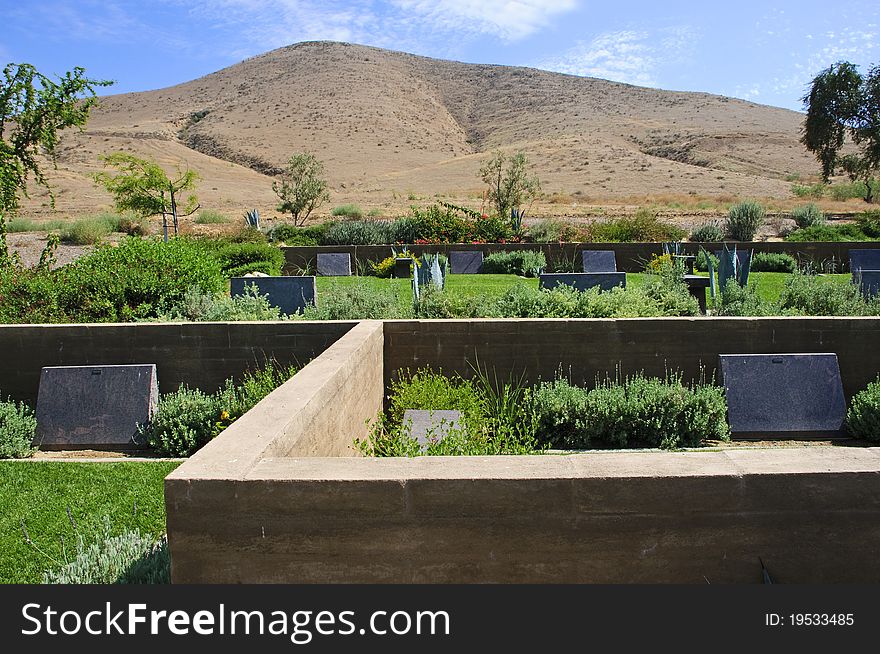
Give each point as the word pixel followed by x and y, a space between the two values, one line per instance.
pixel 134 280
pixel 91 230
pixel 869 223
pixel 209 217
pixel 826 232
pixel 637 412
pixel 708 233
pixel 292 235
pixel 736 300
pixel 439 304
pixel 29 296
pixel 239 259
pixel 357 232
pixel 525 263
pixel 349 210
pixel 863 417
pixel 808 190
pixel 772 262
pixel 184 422
pixel 17 428
pixel 128 558
pixel 237 399
pixel 357 301
pixel 643 227
pixel 197 306
pixel 744 220
pixel 850 190
pixel 808 216
pixel 551 230
pixel 814 295
pixel 16 225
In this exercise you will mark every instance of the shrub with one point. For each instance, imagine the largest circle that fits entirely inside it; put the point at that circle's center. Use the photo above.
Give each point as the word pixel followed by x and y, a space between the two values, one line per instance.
pixel 808 190
pixel 357 301
pixel 134 280
pixel 440 304
pixel 744 220
pixel 17 225
pixel 644 226
pixel 208 217
pixel 349 210
pixel 525 263
pixel 708 233
pixel 184 421
pixel 28 296
pixel 238 259
pixel 869 223
pixel 813 295
pixel 846 232
pixel 196 305
pixel 92 230
pixel 551 230
pixel 357 232
pixel 384 268
pixel 128 558
pixel 637 412
pixel 773 262
pixel 298 236
pixel 237 399
pixel 17 428
pixel 863 417
pixel 736 300
pixel 439 224
pixel 700 262
pixel 808 216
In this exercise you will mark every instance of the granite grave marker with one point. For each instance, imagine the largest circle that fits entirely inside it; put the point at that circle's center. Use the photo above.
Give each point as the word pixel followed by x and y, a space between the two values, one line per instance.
pixel 290 294
pixel 465 262
pixel 599 261
pixel 335 264
pixel 583 281
pixel 431 426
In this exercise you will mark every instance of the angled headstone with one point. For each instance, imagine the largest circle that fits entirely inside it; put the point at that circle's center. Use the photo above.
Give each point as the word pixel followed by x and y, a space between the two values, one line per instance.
pixel 465 262
pixel 599 261
pixel 864 259
pixel 869 282
pixel 583 281
pixel 94 407
pixel 431 426
pixel 334 264
pixel 783 395
pixel 290 294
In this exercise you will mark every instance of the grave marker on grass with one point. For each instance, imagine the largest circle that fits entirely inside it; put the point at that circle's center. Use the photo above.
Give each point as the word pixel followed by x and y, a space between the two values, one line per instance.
pixel 583 281
pixel 94 407
pixel 290 294
pixel 334 264
pixel 465 262
pixel 599 261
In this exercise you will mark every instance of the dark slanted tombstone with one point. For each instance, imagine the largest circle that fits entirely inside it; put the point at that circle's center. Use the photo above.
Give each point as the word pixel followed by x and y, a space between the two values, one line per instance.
pixel 599 261
pixel 290 294
pixel 465 263
pixel 431 426
pixel 94 407
pixel 783 395
pixel 864 259
pixel 583 281
pixel 334 264
pixel 403 267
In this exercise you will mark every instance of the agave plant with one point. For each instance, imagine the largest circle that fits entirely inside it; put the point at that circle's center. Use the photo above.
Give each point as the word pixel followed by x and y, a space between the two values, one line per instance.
pixel 429 272
pixel 730 266
pixel 252 218
pixel 516 220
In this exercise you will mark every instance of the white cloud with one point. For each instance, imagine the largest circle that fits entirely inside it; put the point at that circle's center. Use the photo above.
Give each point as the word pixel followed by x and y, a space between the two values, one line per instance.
pixel 630 56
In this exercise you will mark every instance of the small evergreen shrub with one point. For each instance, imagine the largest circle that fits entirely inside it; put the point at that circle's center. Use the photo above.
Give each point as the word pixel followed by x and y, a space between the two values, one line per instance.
pixel 525 263
pixel 863 417
pixel 829 233
pixel 551 230
pixel 357 301
pixel 708 233
pixel 292 235
pixel 239 259
pixel 91 230
pixel 813 295
pixel 808 215
pixel 773 262
pixel 184 422
pixel 357 232
pixel 198 306
pixel 636 412
pixel 348 210
pixel 209 217
pixel 736 300
pixel 17 427
pixel 643 227
pixel 127 558
pixel 744 220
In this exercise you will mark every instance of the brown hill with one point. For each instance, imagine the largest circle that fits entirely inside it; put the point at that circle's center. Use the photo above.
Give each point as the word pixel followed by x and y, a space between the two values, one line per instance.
pixel 390 126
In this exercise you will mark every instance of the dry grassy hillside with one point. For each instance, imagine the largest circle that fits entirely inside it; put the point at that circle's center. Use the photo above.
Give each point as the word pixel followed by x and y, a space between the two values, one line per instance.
pixel 391 126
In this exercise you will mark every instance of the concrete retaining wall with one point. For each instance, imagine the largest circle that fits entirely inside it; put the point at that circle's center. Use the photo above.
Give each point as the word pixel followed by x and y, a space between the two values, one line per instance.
pixel 811 515
pixel 201 355
pixel 631 257
pixel 585 348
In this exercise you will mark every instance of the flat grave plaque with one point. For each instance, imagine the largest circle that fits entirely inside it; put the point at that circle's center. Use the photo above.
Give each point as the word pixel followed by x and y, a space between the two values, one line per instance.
pixel 465 262
pixel 335 264
pixel 583 281
pixel 431 426
pixel 599 261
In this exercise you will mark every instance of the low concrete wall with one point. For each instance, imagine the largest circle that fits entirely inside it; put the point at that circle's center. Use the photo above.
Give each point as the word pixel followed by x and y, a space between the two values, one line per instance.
pixel 811 514
pixel 201 355
pixel 631 257
pixel 585 348
pixel 319 412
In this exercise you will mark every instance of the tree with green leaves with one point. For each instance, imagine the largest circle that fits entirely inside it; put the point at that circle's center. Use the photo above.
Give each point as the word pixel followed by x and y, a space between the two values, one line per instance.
pixel 144 187
pixel 510 183
pixel 301 188
pixel 33 110
pixel 843 110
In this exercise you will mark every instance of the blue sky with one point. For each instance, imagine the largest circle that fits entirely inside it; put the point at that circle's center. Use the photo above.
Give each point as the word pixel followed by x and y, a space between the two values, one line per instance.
pixel 761 51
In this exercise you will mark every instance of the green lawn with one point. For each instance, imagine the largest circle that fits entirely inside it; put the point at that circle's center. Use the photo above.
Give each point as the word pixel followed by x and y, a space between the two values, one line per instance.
pixel 768 285
pixel 38 494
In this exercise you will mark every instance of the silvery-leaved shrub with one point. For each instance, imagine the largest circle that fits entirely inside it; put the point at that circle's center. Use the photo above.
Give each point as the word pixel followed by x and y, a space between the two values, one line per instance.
pixel 808 215
pixel 744 220
pixel 863 417
pixel 525 263
pixel 184 421
pixel 17 427
pixel 708 233
pixel 127 558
